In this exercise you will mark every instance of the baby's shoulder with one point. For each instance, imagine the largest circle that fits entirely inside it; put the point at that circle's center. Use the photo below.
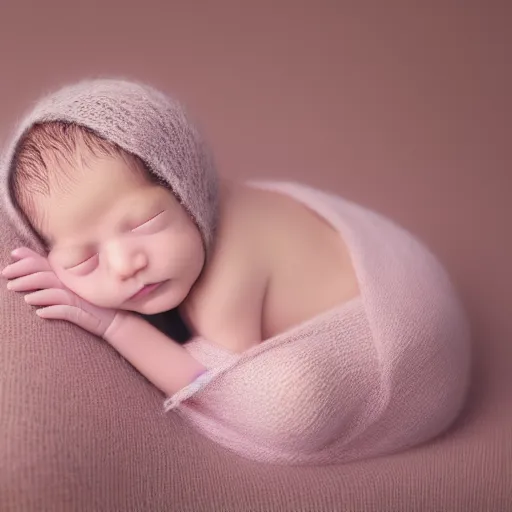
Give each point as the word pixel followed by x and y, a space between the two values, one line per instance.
pixel 277 224
pixel 225 305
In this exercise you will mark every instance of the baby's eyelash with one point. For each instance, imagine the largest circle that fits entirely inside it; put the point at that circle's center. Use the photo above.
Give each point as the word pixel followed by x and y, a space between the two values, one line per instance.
pixel 74 267
pixel 148 221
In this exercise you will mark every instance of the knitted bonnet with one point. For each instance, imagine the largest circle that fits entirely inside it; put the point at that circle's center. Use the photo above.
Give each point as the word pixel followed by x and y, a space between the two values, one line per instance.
pixel 140 120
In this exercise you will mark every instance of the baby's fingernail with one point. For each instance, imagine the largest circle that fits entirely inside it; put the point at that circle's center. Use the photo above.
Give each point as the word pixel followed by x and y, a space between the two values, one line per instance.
pixel 9 285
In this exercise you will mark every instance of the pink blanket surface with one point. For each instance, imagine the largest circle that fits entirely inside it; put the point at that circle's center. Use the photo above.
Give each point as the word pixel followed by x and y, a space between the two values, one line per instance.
pixel 383 372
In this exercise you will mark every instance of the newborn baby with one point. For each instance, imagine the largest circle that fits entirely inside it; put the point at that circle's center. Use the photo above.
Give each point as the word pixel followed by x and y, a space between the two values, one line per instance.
pixel 302 339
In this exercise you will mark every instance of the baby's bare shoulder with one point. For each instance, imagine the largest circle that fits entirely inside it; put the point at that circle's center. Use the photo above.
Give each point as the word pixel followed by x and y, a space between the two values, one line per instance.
pixel 225 306
pixel 309 265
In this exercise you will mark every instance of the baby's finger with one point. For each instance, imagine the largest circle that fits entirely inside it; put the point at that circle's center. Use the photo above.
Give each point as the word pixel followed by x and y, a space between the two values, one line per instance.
pixel 24 252
pixel 37 281
pixel 71 314
pixel 50 297
pixel 24 267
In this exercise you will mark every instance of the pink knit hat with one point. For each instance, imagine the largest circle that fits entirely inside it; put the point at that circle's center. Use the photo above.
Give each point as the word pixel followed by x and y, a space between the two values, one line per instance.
pixel 142 121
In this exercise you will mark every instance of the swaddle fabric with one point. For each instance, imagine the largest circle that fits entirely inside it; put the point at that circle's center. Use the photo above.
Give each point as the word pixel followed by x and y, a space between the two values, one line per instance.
pixel 383 372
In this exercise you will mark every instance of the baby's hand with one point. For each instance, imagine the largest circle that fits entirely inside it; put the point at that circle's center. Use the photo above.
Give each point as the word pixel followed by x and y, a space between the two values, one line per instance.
pixel 31 272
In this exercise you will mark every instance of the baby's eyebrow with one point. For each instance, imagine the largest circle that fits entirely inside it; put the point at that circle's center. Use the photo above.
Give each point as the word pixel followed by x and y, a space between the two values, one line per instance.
pixel 137 212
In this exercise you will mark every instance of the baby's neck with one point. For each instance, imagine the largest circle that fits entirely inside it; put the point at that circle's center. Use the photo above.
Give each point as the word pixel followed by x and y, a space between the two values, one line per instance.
pixel 215 259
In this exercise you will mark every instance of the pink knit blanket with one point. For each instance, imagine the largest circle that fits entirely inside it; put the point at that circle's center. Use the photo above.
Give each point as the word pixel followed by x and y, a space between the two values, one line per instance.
pixel 383 372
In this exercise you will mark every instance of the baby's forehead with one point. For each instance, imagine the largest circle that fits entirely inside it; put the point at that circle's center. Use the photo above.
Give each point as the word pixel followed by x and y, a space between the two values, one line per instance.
pixel 111 199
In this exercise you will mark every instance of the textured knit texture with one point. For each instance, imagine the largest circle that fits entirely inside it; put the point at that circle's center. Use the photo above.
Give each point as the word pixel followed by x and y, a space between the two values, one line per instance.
pixel 380 373
pixel 142 121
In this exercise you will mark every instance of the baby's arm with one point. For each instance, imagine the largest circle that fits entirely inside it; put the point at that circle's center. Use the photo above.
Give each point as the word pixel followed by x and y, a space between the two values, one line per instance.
pixel 161 360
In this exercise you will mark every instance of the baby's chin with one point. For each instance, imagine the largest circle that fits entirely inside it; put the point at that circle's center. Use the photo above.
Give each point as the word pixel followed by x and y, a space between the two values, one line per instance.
pixel 157 304
pixel 151 308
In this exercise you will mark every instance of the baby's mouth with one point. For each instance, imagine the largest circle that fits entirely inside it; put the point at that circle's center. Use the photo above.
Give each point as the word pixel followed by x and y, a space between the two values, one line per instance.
pixel 145 291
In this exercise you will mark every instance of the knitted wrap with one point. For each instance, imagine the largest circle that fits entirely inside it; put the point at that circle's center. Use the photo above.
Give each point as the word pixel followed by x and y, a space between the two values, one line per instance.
pixel 376 375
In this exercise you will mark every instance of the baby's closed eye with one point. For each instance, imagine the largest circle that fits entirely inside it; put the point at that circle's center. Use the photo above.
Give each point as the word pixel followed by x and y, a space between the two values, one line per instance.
pixel 154 223
pixel 84 266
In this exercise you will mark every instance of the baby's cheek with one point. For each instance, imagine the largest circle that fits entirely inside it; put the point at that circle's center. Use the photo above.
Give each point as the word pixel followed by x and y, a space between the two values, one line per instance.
pixel 76 285
pixel 88 288
pixel 60 272
pixel 62 275
pixel 96 291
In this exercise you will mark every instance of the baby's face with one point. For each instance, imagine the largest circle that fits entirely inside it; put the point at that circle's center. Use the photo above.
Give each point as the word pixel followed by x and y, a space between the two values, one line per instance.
pixel 119 241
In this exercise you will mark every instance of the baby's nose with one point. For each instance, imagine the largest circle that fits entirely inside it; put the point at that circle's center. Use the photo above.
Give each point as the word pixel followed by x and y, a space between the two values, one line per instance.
pixel 126 263
pixel 131 265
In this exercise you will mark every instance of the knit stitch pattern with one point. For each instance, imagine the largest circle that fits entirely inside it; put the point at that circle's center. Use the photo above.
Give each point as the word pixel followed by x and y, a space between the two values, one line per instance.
pixel 142 121
pixel 383 372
